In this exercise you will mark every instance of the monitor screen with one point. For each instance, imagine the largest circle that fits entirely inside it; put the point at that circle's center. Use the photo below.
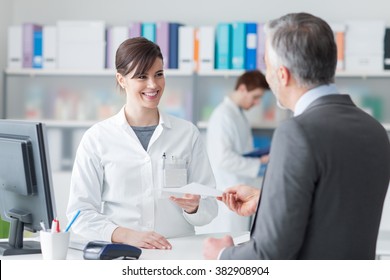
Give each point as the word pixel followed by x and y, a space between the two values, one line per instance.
pixel 26 194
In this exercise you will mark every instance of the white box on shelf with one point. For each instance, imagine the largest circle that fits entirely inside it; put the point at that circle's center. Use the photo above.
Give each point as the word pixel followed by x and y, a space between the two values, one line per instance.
pixel 364 49
pixel 364 63
pixel 115 36
pixel 15 46
pixel 49 46
pixel 186 48
pixel 81 44
pixel 365 37
pixel 206 48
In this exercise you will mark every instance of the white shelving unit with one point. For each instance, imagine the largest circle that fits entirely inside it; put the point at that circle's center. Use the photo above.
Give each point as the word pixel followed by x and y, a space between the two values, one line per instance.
pixel 191 95
pixel 199 87
pixel 364 75
pixel 78 72
pixel 169 73
pixel 35 94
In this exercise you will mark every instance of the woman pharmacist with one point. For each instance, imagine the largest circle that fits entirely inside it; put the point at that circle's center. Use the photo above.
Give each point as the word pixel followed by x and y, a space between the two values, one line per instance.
pixel 124 162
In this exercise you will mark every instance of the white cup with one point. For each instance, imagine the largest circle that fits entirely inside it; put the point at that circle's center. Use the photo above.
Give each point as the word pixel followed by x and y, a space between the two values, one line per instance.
pixel 54 246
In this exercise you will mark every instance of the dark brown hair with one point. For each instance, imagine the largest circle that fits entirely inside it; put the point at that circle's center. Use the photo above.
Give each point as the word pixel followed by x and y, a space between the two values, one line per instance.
pixel 136 53
pixel 252 80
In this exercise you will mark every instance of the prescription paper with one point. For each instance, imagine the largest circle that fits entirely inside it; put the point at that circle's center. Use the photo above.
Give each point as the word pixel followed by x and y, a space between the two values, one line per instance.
pixel 195 188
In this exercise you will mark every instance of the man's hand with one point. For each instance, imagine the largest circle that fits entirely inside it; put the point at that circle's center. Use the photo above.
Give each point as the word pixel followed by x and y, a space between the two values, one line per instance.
pixel 241 199
pixel 213 246
pixel 264 159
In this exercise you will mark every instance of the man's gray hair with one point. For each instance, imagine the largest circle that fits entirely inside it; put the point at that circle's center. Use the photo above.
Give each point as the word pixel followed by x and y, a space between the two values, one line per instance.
pixel 304 44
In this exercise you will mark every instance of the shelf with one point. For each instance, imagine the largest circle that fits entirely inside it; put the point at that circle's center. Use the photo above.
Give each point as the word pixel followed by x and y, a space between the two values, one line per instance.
pixel 376 74
pixel 111 72
pixel 63 124
pixel 339 74
pixel 266 125
pixel 170 72
pixel 81 72
pixel 269 125
pixel 221 73
pixel 68 124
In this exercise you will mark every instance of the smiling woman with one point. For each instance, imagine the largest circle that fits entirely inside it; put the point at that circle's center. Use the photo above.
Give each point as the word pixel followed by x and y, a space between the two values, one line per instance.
pixel 143 92
pixel 123 163
pixel 140 75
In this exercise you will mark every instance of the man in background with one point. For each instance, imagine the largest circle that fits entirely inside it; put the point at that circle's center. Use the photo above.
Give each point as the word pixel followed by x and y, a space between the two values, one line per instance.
pixel 329 168
pixel 229 136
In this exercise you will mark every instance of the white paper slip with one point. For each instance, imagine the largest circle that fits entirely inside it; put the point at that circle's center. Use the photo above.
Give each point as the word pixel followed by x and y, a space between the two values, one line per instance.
pixel 195 188
pixel 242 238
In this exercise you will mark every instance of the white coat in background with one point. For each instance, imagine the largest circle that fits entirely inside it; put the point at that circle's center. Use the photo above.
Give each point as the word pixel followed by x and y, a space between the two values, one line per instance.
pixel 229 136
pixel 115 182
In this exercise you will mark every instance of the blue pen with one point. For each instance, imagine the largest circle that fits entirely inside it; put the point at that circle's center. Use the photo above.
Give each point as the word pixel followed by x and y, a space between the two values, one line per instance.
pixel 72 221
pixel 43 226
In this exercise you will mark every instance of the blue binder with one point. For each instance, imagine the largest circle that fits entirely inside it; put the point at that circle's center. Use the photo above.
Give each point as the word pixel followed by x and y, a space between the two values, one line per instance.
pixel 251 46
pixel 37 49
pixel 173 62
pixel 258 153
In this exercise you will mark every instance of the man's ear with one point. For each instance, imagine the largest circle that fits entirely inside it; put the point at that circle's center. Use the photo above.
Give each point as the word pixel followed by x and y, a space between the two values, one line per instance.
pixel 284 75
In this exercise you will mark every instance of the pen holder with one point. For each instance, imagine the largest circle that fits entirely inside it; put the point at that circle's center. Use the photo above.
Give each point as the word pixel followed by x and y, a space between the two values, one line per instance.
pixel 54 246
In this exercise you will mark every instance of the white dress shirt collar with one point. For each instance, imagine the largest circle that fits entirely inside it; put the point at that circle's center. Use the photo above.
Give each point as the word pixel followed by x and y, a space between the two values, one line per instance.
pixel 313 94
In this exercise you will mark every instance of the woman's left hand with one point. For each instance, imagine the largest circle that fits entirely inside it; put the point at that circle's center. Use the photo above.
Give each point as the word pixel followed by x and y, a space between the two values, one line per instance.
pixel 189 202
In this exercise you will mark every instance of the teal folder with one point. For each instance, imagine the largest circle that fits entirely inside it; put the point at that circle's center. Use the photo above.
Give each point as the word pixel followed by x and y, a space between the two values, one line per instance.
pixel 149 31
pixel 223 50
pixel 238 45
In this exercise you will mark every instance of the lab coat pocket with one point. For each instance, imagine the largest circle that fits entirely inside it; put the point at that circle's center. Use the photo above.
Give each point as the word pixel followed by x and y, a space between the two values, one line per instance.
pixel 174 173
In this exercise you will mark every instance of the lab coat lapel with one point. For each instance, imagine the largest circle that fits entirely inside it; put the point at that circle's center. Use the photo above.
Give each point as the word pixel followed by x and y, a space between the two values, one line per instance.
pixel 163 122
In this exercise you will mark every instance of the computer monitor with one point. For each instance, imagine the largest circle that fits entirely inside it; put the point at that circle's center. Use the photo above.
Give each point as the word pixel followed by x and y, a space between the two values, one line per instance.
pixel 26 194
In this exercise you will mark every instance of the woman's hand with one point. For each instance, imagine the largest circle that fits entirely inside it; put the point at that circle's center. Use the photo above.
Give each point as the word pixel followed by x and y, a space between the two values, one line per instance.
pixel 189 202
pixel 142 239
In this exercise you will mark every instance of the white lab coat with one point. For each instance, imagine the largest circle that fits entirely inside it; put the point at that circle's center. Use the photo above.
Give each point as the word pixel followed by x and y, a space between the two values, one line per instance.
pixel 229 136
pixel 115 182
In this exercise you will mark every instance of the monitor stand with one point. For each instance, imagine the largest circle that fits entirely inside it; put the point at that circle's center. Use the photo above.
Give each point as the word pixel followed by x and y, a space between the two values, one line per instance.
pixel 29 247
pixel 15 244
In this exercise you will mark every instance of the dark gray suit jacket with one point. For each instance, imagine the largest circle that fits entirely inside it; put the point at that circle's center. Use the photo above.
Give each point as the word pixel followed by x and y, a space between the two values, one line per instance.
pixel 324 189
